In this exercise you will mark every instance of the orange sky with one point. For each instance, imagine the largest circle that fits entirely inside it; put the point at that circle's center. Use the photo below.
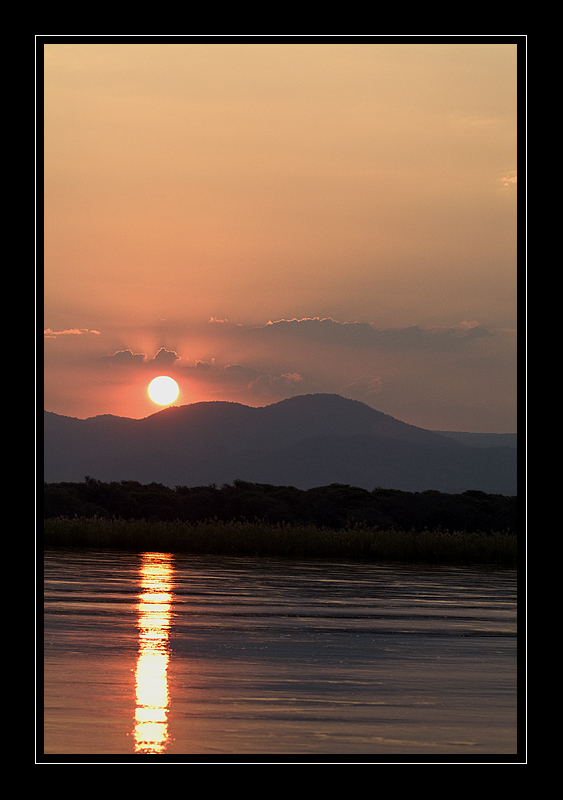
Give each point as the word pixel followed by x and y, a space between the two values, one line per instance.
pixel 195 192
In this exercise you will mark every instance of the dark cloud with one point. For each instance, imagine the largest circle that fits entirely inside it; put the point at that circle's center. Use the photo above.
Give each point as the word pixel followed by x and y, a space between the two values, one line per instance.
pixel 164 359
pixel 366 335
pixel 363 388
pixel 124 358
pixel 239 374
pixel 238 378
pixel 432 376
pixel 279 386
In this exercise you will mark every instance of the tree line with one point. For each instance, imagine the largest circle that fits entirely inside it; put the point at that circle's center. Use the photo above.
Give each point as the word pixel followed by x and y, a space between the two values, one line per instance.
pixel 335 506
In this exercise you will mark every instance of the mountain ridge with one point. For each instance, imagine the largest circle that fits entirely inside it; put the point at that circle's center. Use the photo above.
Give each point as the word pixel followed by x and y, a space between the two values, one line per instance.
pixel 303 441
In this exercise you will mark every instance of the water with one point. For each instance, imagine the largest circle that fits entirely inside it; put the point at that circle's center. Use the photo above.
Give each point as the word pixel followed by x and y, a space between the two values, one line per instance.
pixel 152 655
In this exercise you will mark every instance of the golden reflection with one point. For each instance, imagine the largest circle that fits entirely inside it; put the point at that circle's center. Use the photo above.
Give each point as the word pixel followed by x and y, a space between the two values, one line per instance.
pixel 151 712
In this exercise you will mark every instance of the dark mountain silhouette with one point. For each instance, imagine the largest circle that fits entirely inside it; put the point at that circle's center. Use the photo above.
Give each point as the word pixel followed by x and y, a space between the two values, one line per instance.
pixel 306 441
pixel 483 439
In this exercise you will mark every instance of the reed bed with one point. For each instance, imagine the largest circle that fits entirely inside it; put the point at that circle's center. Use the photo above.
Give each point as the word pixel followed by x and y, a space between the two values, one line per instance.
pixel 305 541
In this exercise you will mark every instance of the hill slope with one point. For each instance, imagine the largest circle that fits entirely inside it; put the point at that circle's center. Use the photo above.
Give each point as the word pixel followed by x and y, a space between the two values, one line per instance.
pixel 306 441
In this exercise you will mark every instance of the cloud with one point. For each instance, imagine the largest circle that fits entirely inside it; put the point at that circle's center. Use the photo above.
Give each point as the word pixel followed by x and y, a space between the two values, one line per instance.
pixel 213 374
pixel 164 359
pixel 510 179
pixel 244 380
pixel 365 335
pixel 49 334
pixel 277 387
pixel 124 358
pixel 292 377
pixel 433 376
pixel 239 374
pixel 285 357
pixel 362 388
pixel 397 370
pixel 471 330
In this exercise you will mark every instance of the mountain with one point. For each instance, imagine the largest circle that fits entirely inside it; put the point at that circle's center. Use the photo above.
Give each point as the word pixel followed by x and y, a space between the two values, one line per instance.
pixel 305 441
pixel 483 439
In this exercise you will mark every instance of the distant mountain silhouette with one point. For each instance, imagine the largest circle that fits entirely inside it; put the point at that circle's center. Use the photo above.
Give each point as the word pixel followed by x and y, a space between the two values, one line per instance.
pixel 483 439
pixel 305 441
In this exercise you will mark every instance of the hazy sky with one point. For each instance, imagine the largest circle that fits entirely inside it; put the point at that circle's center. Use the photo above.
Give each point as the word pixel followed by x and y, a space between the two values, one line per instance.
pixel 263 220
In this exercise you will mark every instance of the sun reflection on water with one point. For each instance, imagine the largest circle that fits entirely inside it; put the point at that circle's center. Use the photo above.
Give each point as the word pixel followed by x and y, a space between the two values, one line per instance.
pixel 151 679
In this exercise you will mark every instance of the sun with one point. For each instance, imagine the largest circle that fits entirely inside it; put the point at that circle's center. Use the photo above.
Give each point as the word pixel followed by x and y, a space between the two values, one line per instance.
pixel 163 390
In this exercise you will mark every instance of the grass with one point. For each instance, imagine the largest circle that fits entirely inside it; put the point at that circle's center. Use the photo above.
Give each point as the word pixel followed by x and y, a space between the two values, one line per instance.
pixel 305 541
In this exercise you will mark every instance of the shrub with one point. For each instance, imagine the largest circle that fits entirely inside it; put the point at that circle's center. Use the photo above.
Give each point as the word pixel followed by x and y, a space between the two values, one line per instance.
pixel 300 541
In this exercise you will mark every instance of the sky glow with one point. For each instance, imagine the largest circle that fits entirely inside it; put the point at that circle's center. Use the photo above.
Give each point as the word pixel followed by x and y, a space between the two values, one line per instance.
pixel 263 220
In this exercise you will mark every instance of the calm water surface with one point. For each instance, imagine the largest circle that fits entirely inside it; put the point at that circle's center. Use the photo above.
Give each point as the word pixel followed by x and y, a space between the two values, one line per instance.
pixel 155 655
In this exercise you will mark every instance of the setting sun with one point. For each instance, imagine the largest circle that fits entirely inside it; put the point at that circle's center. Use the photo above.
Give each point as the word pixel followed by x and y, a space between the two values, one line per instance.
pixel 163 390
